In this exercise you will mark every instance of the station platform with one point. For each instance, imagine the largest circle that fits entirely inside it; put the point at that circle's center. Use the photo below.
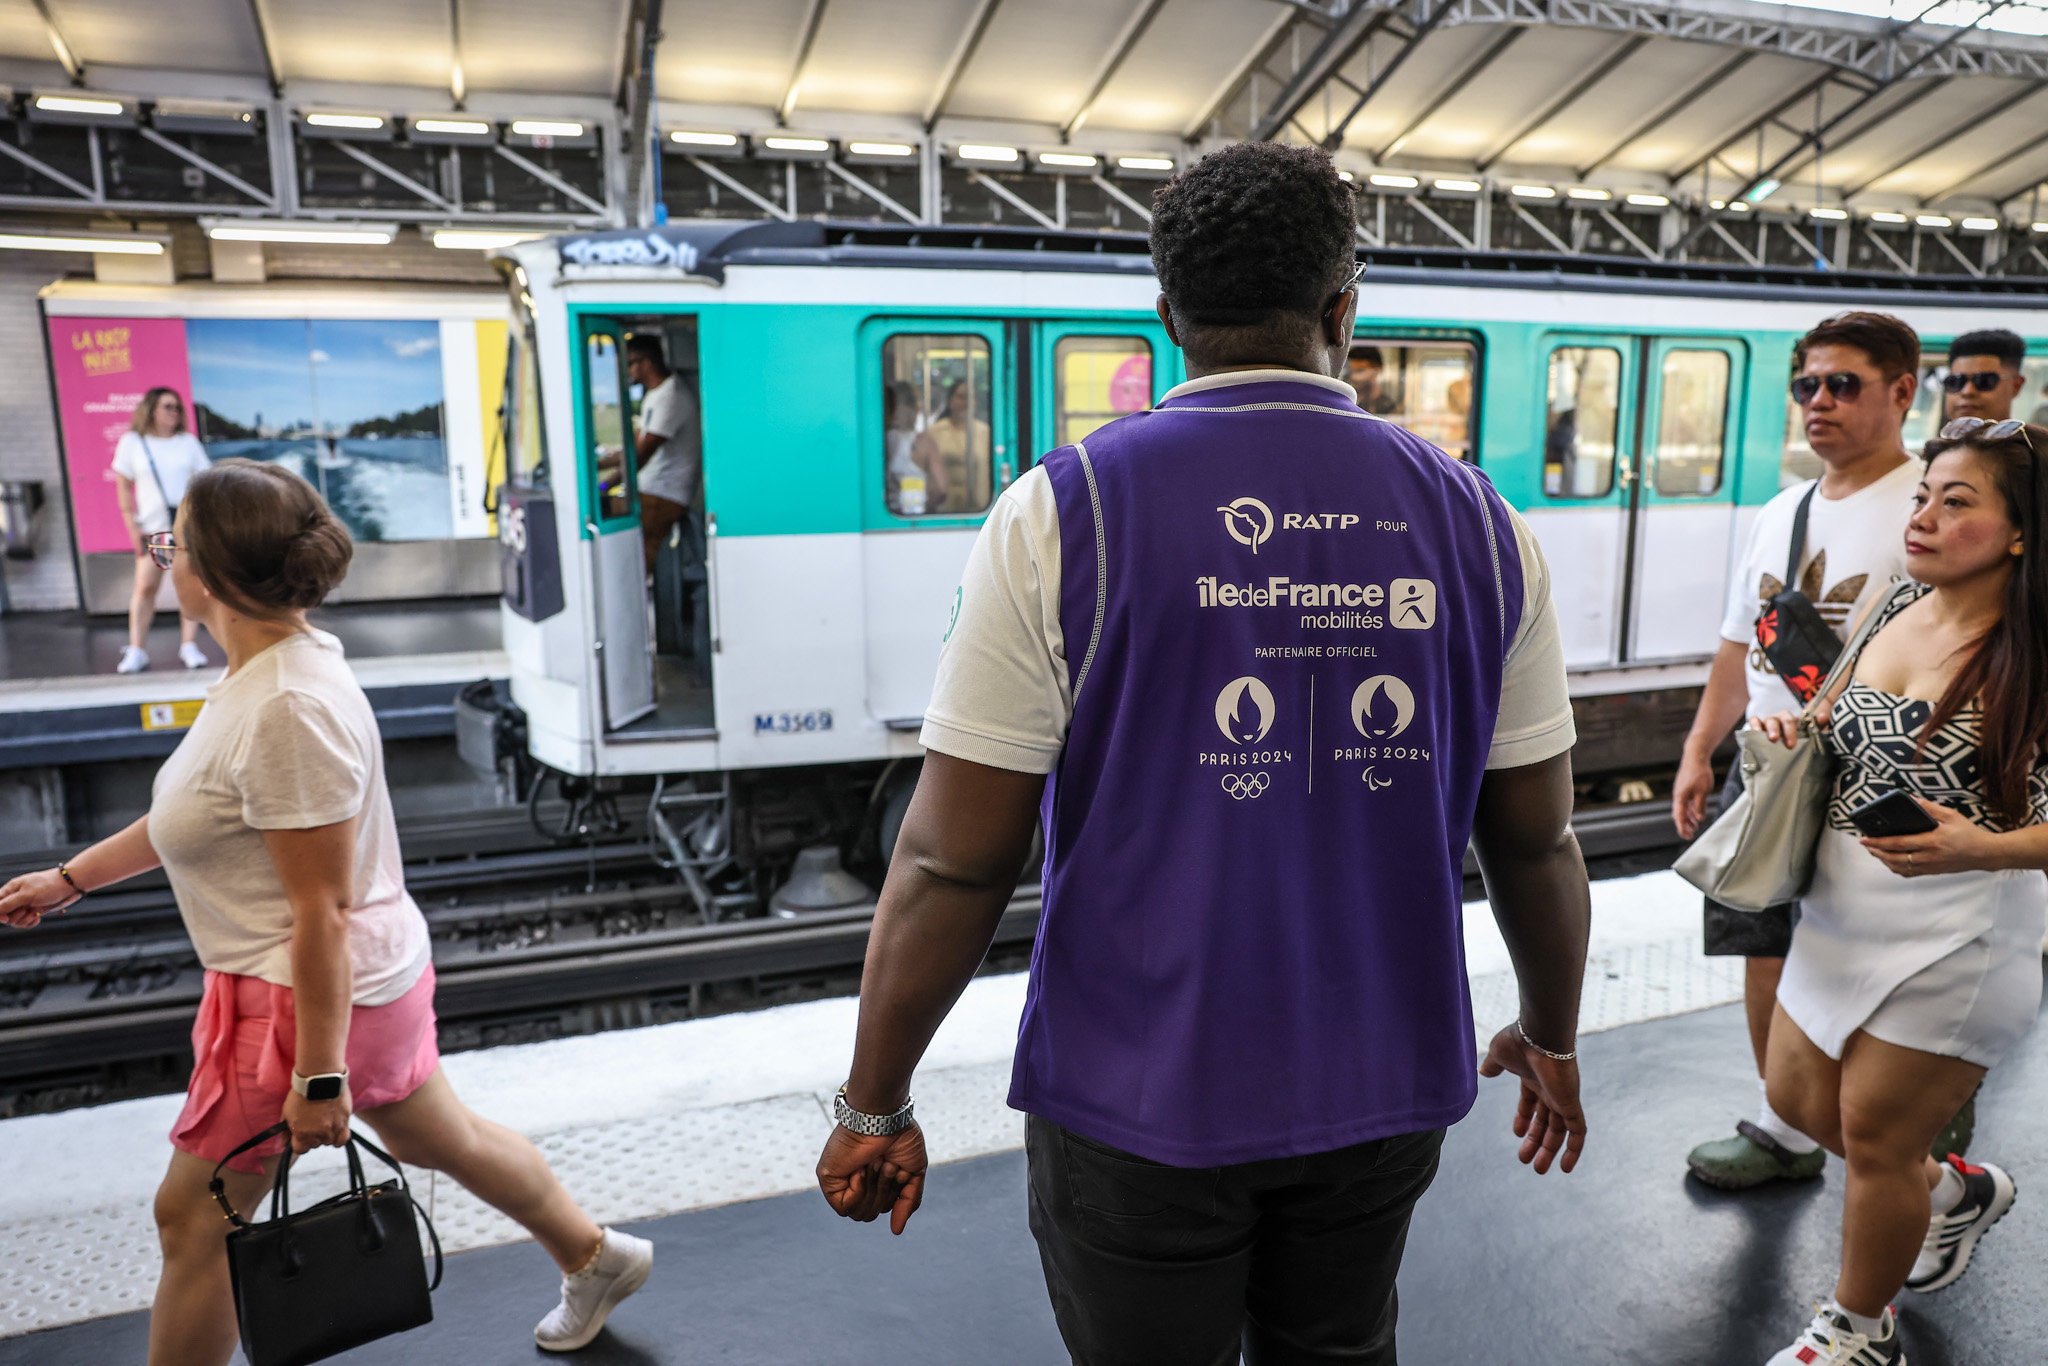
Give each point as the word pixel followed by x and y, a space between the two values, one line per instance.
pixel 702 1135
pixel 60 698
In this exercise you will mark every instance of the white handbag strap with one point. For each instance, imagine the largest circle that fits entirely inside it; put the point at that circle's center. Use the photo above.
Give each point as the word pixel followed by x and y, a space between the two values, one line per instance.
pixel 1847 659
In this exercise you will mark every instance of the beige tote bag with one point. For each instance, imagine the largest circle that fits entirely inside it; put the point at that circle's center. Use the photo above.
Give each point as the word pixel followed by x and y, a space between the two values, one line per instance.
pixel 1759 852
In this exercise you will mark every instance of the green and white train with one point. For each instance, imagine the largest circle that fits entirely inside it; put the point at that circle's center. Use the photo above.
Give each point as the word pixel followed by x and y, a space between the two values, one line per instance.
pixel 865 392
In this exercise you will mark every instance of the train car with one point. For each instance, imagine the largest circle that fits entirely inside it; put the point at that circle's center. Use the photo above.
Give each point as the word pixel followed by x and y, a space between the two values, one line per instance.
pixel 865 393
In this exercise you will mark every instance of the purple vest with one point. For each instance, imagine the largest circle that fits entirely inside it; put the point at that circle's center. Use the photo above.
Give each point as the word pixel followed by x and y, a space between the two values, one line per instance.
pixel 1285 627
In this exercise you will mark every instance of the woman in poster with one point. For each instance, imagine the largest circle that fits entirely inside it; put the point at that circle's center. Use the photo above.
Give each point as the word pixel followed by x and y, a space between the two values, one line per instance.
pixel 152 464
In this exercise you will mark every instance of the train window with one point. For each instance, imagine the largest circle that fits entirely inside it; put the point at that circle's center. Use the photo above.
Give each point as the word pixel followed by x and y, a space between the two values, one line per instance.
pixel 607 412
pixel 523 437
pixel 935 424
pixel 1692 423
pixel 1584 417
pixel 1425 386
pixel 1097 380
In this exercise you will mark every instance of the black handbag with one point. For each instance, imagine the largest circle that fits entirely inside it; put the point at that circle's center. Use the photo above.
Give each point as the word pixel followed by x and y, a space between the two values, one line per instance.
pixel 1793 635
pixel 345 1272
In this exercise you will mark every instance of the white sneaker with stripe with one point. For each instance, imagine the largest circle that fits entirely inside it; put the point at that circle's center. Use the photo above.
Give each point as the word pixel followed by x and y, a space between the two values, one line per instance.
pixel 1830 1341
pixel 1988 1192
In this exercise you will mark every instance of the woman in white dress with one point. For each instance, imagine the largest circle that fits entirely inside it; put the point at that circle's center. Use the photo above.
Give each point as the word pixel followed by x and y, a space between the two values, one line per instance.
pixel 1917 961
pixel 153 461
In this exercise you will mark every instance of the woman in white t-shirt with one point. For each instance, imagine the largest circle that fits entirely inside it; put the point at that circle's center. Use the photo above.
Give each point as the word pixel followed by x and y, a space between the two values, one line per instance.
pixel 153 463
pixel 274 824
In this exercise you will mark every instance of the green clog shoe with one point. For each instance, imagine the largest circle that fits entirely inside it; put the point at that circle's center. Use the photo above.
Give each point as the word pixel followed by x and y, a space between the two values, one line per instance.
pixel 1752 1158
pixel 1955 1136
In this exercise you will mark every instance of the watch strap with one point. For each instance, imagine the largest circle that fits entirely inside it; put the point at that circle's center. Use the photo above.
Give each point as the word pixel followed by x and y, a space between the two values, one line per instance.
pixel 872 1126
pixel 325 1086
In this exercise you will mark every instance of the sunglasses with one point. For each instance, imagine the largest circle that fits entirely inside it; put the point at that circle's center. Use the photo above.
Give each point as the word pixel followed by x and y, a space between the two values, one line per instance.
pixel 1843 384
pixel 1983 382
pixel 1983 429
pixel 163 547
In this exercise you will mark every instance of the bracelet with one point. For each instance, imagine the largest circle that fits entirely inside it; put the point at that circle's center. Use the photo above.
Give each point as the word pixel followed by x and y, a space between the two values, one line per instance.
pixel 871 1126
pixel 65 873
pixel 1572 1056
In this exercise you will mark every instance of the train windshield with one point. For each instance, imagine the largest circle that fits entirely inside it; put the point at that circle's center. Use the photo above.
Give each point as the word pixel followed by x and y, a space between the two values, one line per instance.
pixel 526 457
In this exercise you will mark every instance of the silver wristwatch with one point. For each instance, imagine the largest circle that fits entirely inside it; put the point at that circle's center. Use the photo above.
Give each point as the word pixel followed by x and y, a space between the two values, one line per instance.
pixel 872 1126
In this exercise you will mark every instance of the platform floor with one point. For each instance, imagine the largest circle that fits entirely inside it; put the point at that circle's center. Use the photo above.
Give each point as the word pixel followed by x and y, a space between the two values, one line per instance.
pixel 52 645
pixel 1626 1261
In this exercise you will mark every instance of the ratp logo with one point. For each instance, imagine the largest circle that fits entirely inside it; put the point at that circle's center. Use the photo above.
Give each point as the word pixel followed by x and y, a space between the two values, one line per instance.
pixel 1366 707
pixel 1249 522
pixel 1236 727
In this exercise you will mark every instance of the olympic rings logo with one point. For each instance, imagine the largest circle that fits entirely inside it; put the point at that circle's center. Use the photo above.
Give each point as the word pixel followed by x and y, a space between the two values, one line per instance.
pixel 1243 785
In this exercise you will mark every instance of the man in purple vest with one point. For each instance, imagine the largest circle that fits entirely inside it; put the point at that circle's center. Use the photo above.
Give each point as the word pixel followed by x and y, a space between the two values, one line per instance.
pixel 1279 660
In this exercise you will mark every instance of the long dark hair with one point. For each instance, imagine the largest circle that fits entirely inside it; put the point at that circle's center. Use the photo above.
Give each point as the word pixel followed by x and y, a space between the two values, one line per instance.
pixel 2007 668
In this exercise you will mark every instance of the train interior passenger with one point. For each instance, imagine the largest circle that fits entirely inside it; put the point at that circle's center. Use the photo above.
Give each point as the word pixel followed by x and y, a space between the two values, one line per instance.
pixel 1425 386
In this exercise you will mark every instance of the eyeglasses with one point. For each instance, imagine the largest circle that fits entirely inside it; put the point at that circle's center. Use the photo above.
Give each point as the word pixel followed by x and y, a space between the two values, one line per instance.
pixel 1845 385
pixel 1352 283
pixel 163 547
pixel 1983 381
pixel 1983 429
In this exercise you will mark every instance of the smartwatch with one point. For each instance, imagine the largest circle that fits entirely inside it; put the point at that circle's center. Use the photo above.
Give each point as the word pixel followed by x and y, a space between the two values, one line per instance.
pixel 326 1086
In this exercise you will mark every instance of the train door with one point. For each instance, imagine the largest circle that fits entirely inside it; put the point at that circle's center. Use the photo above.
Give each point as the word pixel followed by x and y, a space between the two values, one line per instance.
pixel 1683 496
pixel 940 413
pixel 1085 374
pixel 1589 443
pixel 611 525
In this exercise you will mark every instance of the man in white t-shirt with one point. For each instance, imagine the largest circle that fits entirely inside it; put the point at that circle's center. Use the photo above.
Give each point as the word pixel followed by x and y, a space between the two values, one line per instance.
pixel 1854 377
pixel 669 444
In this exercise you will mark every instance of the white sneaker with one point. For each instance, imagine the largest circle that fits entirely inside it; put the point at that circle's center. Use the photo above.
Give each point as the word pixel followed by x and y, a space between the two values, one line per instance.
pixel 191 656
pixel 1988 1192
pixel 1830 1341
pixel 133 661
pixel 589 1296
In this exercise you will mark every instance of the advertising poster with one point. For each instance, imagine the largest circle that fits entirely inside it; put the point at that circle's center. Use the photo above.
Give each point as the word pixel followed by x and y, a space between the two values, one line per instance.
pixel 387 418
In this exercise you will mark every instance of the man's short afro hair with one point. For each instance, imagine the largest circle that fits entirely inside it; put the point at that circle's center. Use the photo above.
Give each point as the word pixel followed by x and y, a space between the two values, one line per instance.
pixel 1253 229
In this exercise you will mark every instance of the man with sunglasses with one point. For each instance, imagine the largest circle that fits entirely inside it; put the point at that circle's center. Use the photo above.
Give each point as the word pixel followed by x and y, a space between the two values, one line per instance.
pixel 1983 378
pixel 1853 381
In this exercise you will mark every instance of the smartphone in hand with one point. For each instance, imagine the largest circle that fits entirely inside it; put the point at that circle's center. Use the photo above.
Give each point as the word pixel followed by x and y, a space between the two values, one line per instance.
pixel 1892 814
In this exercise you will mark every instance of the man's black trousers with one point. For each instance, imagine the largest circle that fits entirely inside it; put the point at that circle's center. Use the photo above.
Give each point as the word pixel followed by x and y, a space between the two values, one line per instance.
pixel 1288 1261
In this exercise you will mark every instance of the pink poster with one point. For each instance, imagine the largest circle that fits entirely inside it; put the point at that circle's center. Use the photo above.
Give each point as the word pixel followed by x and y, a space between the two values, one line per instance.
pixel 104 366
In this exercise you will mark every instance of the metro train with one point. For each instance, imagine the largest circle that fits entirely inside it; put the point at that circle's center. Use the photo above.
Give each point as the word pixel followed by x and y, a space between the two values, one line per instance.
pixel 866 392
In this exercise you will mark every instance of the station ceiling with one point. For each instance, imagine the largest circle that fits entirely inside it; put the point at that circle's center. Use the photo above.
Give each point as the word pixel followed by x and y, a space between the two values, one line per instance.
pixel 1697 97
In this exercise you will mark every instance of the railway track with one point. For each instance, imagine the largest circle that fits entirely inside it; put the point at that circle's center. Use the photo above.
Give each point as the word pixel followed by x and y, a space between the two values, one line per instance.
pixel 525 947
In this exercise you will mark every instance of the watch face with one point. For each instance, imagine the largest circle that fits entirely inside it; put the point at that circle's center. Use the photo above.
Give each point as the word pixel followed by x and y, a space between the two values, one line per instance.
pixel 323 1088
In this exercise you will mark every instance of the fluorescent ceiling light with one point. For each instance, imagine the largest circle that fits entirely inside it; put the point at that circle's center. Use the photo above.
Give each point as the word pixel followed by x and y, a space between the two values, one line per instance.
pixel 694 139
pixel 1887 216
pixel 1394 182
pixel 1934 220
pixel 468 127
pixel 1144 163
pixel 1533 191
pixel 21 241
pixel 779 144
pixel 1981 224
pixel 1458 186
pixel 546 128
pixel 1078 161
pixel 362 121
pixel 982 151
pixel 1763 190
pixel 1650 201
pixel 1580 192
pixel 330 234
pixel 79 104
pixel 481 239
pixel 881 149
pixel 1830 214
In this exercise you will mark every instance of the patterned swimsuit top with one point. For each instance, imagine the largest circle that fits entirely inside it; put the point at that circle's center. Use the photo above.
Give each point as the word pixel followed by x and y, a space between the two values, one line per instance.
pixel 1875 735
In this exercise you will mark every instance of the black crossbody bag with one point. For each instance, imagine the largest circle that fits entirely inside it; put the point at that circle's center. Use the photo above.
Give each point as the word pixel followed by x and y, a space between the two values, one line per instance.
pixel 1793 635
pixel 345 1272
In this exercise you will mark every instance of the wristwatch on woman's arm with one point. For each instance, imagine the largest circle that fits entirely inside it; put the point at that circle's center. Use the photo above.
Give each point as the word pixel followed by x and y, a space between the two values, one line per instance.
pixel 326 1086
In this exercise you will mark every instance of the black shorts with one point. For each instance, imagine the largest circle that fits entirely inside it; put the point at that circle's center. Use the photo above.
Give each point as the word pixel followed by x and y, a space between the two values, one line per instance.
pixel 1747 934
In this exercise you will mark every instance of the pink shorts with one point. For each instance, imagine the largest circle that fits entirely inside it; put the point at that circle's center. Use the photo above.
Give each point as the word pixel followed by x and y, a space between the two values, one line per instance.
pixel 242 1048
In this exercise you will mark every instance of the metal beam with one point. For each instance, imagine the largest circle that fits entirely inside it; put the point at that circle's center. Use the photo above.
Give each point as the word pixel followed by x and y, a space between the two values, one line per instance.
pixel 814 17
pixel 1663 115
pixel 1876 239
pixel 761 202
pixel 1599 72
pixel 1928 87
pixel 1533 221
pixel 549 178
pixel 220 173
pixel 458 86
pixel 1638 243
pixel 43 168
pixel 1116 192
pixel 1963 260
pixel 1332 54
pixel 872 193
pixel 963 55
pixel 1948 134
pixel 1443 225
pixel 66 58
pixel 1748 130
pixel 396 177
pixel 1726 236
pixel 2002 160
pixel 1487 56
pixel 1015 201
pixel 1333 138
pixel 271 70
pixel 1219 99
pixel 1119 53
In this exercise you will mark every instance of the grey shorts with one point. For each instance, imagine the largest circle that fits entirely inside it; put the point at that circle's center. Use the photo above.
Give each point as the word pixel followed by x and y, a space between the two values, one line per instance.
pixel 1747 934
